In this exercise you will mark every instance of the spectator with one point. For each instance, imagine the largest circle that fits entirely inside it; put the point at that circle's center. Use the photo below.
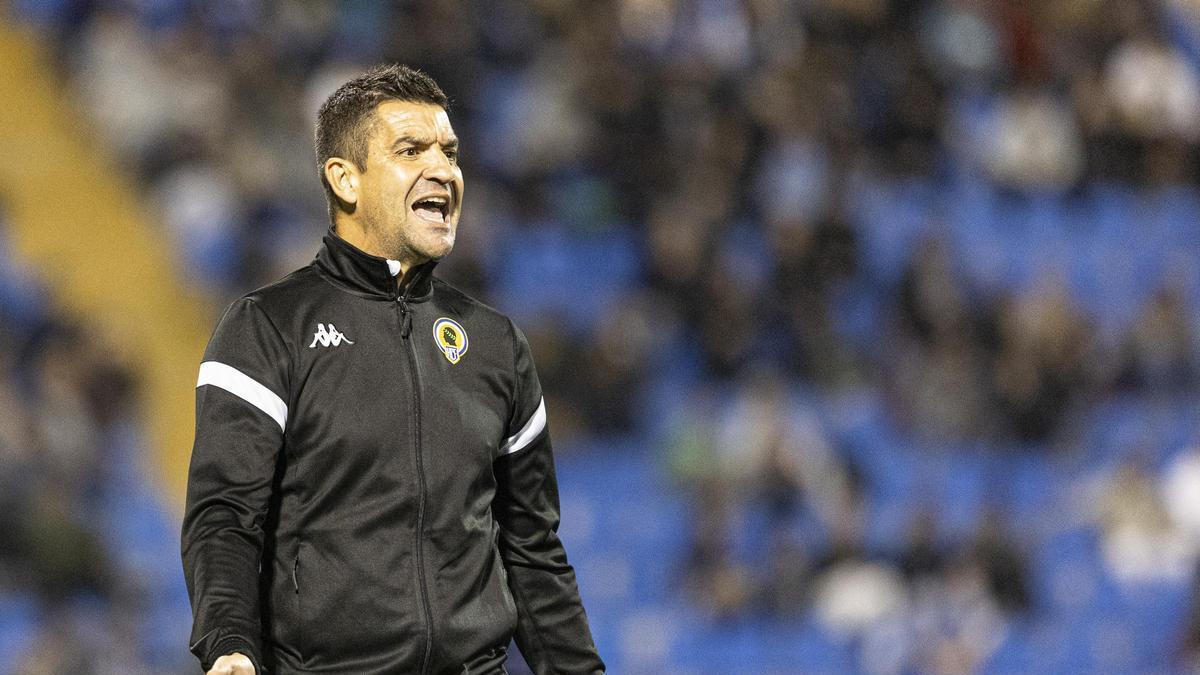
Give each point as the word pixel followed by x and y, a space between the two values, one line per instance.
pixel 1141 544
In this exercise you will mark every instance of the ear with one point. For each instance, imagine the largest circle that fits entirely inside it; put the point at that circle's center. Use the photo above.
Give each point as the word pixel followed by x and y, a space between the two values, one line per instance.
pixel 343 177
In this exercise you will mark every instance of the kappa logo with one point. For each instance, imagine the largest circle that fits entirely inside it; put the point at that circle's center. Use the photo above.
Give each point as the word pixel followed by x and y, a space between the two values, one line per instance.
pixel 450 338
pixel 326 338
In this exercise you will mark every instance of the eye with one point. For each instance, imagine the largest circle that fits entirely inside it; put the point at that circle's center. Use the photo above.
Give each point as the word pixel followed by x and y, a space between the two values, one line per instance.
pixel 452 155
pixel 409 152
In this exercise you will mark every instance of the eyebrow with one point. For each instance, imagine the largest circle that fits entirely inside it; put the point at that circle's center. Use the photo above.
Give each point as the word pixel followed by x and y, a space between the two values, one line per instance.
pixel 422 141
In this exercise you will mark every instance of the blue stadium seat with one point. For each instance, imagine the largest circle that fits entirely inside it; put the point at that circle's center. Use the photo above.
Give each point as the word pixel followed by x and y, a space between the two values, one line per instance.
pixel 20 617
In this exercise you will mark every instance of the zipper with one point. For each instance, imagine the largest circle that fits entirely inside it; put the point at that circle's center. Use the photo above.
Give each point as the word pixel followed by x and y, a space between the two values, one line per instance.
pixel 410 349
pixel 405 318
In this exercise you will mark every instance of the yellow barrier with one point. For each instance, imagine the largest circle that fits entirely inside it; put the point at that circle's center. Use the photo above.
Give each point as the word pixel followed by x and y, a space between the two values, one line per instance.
pixel 77 219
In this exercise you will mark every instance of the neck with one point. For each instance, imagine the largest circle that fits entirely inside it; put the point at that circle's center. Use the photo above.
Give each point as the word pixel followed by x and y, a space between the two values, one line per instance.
pixel 405 279
pixel 362 238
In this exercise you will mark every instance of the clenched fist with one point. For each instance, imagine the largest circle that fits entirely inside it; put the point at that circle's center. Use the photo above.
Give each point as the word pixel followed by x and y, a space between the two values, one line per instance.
pixel 232 664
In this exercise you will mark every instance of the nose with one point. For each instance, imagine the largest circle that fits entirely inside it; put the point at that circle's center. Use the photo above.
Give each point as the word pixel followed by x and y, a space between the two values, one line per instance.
pixel 439 169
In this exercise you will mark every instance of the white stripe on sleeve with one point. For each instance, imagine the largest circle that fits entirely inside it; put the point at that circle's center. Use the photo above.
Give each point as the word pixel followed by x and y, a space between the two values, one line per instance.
pixel 530 431
pixel 245 387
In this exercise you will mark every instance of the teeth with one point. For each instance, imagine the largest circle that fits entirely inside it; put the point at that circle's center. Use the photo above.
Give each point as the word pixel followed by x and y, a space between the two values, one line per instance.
pixel 440 204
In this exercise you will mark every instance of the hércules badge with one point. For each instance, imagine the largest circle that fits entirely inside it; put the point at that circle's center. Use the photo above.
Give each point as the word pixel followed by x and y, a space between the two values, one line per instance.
pixel 450 338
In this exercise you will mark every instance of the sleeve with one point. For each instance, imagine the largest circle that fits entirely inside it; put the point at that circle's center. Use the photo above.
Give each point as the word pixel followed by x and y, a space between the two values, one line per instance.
pixel 552 628
pixel 240 417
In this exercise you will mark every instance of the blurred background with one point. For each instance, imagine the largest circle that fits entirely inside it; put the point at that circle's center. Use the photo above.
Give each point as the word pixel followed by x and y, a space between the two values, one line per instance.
pixel 867 327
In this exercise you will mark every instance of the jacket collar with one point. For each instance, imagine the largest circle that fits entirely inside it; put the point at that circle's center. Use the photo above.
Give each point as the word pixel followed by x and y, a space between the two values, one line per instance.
pixel 364 274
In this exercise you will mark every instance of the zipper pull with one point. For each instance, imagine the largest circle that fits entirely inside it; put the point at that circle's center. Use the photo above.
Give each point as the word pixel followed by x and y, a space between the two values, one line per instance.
pixel 405 320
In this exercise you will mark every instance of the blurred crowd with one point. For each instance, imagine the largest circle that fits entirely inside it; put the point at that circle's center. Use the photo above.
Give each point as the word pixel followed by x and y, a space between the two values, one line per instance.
pixel 724 143
pixel 696 210
pixel 78 589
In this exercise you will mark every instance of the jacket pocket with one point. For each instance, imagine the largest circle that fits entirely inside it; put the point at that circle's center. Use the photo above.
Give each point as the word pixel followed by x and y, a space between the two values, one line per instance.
pixel 352 600
pixel 296 572
pixel 287 597
pixel 298 597
pixel 490 662
pixel 472 596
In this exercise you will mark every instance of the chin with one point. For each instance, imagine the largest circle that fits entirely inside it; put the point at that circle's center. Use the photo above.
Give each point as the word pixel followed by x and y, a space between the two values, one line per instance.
pixel 444 246
pixel 439 252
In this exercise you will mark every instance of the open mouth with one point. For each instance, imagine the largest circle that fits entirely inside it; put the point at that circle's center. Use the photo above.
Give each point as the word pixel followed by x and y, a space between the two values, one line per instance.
pixel 435 208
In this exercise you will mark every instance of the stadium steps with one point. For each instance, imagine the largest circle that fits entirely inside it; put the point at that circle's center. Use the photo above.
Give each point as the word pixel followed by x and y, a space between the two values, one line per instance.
pixel 76 218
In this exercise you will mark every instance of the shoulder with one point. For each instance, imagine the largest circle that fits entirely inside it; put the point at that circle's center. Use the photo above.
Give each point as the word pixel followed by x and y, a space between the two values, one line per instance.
pixel 250 335
pixel 478 317
pixel 265 312
pixel 453 299
pixel 284 296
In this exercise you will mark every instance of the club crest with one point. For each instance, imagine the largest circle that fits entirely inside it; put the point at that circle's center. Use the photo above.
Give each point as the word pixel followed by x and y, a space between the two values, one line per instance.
pixel 450 338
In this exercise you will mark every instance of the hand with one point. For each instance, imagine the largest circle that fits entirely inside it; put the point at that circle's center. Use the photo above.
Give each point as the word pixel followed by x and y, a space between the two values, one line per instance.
pixel 232 664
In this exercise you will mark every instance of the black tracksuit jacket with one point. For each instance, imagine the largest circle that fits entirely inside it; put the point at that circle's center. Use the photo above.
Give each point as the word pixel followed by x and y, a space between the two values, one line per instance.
pixel 372 486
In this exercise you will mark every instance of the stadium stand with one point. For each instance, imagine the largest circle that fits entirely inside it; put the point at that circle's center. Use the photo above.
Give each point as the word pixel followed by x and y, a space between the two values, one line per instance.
pixel 868 329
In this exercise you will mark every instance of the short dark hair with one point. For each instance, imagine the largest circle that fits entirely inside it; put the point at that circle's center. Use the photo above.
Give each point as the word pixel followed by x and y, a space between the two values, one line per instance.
pixel 344 122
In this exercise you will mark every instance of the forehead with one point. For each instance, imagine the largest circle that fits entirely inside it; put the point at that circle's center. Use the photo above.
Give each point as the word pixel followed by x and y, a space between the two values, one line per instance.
pixel 397 119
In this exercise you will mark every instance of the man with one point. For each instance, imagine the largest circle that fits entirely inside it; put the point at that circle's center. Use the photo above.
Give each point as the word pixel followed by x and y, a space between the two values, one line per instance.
pixel 372 487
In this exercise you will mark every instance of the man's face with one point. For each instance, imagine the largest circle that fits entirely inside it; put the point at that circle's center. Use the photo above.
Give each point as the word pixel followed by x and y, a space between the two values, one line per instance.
pixel 410 191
